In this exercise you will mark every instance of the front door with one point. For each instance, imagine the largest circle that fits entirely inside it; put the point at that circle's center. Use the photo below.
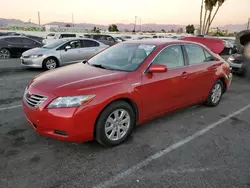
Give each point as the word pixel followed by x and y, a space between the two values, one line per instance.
pixel 70 55
pixel 164 92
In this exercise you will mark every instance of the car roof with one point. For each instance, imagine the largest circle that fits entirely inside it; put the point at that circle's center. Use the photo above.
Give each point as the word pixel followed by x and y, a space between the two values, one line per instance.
pixel 158 41
pixel 22 36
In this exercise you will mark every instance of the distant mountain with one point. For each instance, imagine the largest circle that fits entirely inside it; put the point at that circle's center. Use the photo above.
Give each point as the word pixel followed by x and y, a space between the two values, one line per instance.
pixel 122 27
pixel 5 22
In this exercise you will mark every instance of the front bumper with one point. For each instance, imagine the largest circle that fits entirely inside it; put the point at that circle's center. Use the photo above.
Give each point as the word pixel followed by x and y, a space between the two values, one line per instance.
pixel 32 62
pixel 68 124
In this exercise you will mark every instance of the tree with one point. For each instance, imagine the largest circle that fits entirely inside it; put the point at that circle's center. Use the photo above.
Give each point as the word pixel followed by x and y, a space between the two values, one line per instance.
pixel 220 2
pixel 67 25
pixel 163 31
pixel 172 31
pixel 190 29
pixel 180 30
pixel 207 21
pixel 113 28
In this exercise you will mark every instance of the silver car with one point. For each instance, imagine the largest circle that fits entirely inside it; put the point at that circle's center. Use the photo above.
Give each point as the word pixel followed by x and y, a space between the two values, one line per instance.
pixel 61 52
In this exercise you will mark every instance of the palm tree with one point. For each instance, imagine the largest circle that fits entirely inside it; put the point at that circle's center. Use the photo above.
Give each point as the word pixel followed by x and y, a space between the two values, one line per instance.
pixel 202 2
pixel 209 7
pixel 220 2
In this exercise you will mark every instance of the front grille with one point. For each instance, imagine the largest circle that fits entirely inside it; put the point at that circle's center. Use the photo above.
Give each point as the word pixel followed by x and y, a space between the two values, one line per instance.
pixel 34 100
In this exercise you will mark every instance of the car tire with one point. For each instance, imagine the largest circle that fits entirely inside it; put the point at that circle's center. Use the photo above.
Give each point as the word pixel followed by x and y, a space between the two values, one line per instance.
pixel 5 53
pixel 115 124
pixel 215 94
pixel 50 63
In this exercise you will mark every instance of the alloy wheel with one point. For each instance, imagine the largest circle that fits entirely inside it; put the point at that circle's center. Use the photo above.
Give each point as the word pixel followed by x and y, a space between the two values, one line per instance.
pixel 117 124
pixel 50 64
pixel 4 54
pixel 216 93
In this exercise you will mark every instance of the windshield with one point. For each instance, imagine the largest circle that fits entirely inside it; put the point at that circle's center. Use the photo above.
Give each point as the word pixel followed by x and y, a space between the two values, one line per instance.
pixel 123 57
pixel 54 44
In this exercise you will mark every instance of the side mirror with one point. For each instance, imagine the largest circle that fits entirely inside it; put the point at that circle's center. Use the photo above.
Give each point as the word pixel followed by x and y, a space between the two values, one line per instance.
pixel 67 48
pixel 85 61
pixel 157 68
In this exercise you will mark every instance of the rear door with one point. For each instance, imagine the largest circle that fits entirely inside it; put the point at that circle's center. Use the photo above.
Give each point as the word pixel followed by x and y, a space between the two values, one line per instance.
pixel 200 71
pixel 89 48
pixel 29 43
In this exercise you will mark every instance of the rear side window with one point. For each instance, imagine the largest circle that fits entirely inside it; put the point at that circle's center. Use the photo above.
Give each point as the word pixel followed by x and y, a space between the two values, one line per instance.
pixel 195 54
pixel 67 35
pixel 89 43
pixel 14 40
pixel 27 41
pixel 208 56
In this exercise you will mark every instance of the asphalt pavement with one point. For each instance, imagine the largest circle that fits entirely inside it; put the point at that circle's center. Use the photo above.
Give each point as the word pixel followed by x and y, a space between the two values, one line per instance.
pixel 194 147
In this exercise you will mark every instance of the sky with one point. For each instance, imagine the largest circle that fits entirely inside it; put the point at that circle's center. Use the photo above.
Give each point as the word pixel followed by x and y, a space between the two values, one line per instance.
pixel 117 11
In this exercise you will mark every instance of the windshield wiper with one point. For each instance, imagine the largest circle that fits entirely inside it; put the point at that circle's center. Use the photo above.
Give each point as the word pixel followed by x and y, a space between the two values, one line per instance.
pixel 100 66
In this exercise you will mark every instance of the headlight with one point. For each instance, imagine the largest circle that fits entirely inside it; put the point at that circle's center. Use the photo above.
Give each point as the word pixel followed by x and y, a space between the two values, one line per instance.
pixel 72 101
pixel 36 55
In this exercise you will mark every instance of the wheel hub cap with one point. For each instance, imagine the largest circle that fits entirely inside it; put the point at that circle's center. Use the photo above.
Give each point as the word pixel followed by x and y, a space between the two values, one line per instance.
pixel 4 54
pixel 216 93
pixel 117 124
pixel 51 64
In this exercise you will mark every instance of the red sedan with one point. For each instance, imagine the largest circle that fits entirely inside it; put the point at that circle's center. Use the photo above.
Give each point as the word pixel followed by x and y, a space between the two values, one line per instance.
pixel 127 84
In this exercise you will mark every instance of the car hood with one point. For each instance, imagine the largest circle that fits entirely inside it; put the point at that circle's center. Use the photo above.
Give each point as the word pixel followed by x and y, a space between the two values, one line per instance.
pixel 76 79
pixel 36 51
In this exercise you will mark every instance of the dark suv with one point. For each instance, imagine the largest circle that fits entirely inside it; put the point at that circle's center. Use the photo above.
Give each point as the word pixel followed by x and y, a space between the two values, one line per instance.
pixel 105 39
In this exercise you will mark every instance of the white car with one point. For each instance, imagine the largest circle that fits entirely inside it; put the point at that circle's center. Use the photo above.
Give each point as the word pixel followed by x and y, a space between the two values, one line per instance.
pixel 61 52
pixel 51 38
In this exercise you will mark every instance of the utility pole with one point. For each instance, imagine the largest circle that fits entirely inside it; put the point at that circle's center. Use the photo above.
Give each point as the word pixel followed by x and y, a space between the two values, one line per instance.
pixel 135 23
pixel 140 24
pixel 39 19
pixel 248 24
pixel 72 20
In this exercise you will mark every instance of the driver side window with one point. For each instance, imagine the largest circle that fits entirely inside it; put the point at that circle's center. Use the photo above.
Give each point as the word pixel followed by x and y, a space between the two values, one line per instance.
pixel 171 56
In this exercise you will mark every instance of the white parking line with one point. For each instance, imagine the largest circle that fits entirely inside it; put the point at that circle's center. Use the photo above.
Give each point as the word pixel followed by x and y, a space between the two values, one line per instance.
pixel 167 150
pixel 10 107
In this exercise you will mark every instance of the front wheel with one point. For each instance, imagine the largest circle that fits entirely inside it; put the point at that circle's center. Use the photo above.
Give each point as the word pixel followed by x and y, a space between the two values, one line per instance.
pixel 50 63
pixel 115 124
pixel 215 94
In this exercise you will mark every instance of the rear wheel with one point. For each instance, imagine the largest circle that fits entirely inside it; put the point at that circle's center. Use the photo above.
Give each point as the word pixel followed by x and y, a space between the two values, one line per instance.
pixel 50 63
pixel 215 94
pixel 115 124
pixel 4 53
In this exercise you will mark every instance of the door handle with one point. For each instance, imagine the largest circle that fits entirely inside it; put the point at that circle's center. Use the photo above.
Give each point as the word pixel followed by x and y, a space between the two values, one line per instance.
pixel 9 45
pixel 184 75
